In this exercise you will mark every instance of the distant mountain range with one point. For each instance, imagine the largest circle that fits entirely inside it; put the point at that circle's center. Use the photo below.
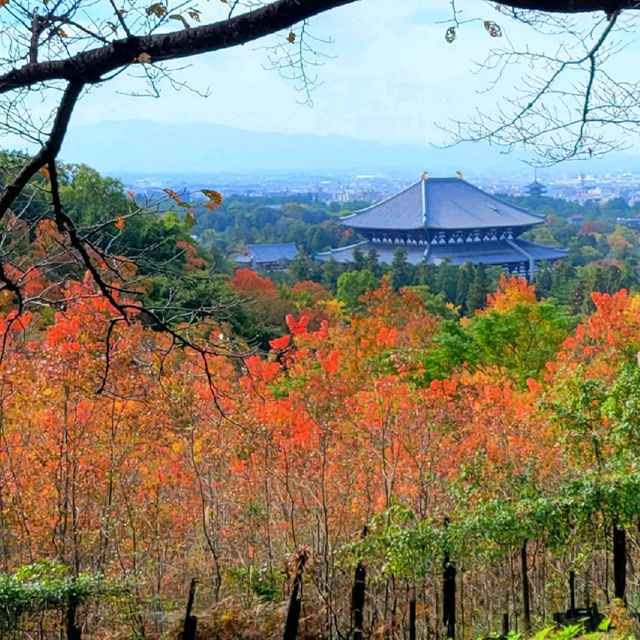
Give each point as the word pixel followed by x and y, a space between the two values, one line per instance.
pixel 137 146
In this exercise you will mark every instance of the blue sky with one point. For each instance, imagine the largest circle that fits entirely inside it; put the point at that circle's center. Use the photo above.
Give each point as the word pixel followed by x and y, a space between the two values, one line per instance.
pixel 390 76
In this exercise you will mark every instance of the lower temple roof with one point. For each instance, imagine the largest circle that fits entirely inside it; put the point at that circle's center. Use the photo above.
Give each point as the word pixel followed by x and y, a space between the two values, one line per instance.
pixel 267 253
pixel 490 253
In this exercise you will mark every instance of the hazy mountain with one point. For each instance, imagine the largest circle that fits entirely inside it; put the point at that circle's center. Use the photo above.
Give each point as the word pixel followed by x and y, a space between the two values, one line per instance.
pixel 137 146
pixel 149 147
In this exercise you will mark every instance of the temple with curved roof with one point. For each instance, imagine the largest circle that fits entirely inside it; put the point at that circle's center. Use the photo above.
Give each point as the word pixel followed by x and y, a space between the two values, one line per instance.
pixel 269 257
pixel 438 219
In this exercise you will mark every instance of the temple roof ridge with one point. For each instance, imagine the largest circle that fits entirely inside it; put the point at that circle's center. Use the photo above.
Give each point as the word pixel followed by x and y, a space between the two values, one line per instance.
pixel 383 201
pixel 441 203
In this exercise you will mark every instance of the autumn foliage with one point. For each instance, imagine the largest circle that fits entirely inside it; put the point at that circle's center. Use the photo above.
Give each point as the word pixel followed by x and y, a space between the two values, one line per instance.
pixel 118 454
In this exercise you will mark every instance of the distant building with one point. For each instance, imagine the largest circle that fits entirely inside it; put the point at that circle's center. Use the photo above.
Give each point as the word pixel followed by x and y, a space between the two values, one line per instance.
pixel 575 218
pixel 632 223
pixel 268 257
pixel 440 219
pixel 536 189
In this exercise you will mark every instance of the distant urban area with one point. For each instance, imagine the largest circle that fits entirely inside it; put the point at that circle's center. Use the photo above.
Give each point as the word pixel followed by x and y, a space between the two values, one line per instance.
pixel 579 187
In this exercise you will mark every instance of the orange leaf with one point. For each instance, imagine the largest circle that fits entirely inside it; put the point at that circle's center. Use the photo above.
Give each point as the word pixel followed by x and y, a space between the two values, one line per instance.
pixel 214 197
pixel 280 344
pixel 173 195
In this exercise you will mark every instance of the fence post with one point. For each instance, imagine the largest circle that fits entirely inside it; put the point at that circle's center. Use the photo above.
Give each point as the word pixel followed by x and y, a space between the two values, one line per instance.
pixel 505 625
pixel 190 621
pixel 412 614
pixel 73 630
pixel 572 593
pixel 295 601
pixel 448 592
pixel 357 596
pixel 619 561
pixel 357 601
pixel 526 606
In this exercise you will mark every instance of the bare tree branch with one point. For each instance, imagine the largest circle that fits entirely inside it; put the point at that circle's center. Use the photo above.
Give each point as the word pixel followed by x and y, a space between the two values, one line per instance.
pixel 48 152
pixel 571 6
pixel 89 66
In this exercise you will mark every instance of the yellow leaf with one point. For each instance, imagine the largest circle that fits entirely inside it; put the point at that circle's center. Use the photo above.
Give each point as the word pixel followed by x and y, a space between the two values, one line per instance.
pixel 157 9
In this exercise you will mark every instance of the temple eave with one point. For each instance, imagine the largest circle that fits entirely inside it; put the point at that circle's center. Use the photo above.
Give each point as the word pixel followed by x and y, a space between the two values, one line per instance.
pixel 495 253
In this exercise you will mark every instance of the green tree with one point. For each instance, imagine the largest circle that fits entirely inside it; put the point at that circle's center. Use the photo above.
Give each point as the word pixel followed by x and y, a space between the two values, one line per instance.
pixel 465 278
pixel 354 284
pixel 478 290
pixel 402 273
pixel 371 262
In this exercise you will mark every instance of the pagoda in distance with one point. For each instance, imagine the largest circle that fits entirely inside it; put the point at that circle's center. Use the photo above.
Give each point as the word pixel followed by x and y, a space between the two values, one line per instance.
pixel 447 219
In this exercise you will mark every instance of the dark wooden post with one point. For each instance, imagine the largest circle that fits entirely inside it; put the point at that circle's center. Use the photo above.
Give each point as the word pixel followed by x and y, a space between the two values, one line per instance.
pixel 572 593
pixel 357 601
pixel 295 601
pixel 449 596
pixel 412 615
pixel 619 561
pixel 448 592
pixel 357 596
pixel 526 605
pixel 190 621
pixel 73 630
pixel 505 624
